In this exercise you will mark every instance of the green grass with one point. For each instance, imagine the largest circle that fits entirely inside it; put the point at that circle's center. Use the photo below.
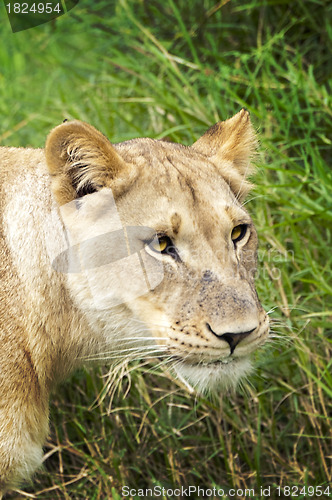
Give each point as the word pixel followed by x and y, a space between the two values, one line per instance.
pixel 164 69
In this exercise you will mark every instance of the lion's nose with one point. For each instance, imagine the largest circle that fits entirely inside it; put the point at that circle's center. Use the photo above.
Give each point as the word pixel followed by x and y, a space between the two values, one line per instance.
pixel 233 339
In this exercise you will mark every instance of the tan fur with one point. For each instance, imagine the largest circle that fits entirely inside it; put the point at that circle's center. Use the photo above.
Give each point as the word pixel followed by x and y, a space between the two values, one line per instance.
pixel 51 321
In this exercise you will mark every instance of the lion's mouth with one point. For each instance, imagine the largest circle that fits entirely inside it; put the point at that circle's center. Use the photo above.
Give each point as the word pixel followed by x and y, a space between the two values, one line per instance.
pixel 225 361
pixel 207 363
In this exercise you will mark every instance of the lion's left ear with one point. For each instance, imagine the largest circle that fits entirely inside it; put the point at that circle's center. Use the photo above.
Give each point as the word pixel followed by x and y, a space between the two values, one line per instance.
pixel 230 145
pixel 81 160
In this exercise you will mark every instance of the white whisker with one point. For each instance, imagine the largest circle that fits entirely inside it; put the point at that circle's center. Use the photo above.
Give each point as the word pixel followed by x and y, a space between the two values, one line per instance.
pixel 140 358
pixel 254 198
pixel 272 310
pixel 104 357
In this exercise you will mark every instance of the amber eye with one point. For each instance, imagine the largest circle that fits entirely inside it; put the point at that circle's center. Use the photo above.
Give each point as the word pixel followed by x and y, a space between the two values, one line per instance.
pixel 239 232
pixel 162 244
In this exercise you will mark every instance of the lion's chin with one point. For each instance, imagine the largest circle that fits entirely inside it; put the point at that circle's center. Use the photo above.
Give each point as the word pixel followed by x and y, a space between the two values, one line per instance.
pixel 213 377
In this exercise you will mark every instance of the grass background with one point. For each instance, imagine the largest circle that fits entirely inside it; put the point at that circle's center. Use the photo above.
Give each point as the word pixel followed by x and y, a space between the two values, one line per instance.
pixel 171 69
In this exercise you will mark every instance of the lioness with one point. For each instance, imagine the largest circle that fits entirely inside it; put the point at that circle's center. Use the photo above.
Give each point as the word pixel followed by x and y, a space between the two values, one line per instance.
pixel 136 249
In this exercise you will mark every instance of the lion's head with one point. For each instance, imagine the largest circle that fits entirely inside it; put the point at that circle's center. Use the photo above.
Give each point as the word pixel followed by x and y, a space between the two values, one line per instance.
pixel 165 252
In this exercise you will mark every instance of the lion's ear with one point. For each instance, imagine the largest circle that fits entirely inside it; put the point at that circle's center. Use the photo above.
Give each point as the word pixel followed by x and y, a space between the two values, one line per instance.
pixel 81 160
pixel 230 145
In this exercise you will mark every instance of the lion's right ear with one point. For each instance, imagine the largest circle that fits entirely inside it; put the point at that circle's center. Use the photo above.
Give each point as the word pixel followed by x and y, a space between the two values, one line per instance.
pixel 81 160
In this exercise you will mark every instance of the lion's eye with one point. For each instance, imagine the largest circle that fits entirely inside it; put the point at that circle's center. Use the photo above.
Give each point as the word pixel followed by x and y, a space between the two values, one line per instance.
pixel 239 232
pixel 162 244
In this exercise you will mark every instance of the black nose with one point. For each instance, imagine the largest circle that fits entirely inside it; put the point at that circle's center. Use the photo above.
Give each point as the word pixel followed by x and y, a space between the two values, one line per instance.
pixel 232 339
